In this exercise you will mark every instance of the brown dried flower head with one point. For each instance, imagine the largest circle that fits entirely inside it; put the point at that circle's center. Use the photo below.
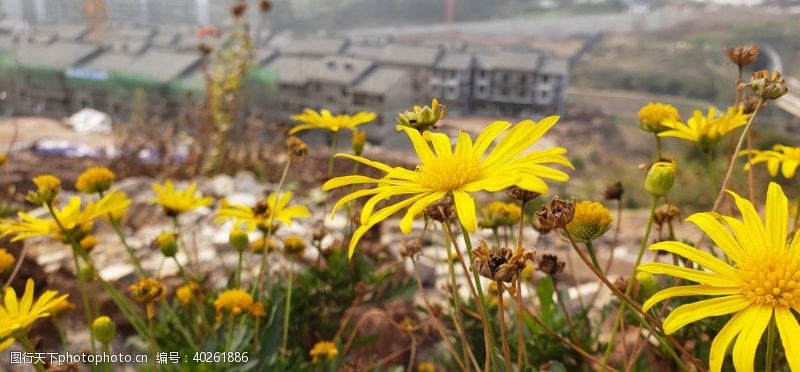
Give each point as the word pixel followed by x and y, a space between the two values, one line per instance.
pixel 411 248
pixel 550 264
pixel 557 215
pixel 665 213
pixel 768 85
pixel 205 49
pixel 521 194
pixel 500 263
pixel 264 5
pixel 442 210
pixel 743 55
pixel 238 9
pixel 613 191
pixel 319 234
pixel 296 147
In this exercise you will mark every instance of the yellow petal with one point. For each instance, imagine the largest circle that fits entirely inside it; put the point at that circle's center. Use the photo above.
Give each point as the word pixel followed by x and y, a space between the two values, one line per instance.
pixel 744 352
pixel 719 346
pixel 688 313
pixel 441 143
pixel 702 277
pixel 27 297
pixel 488 136
pixel 688 290
pixel 721 236
pixel 420 145
pixel 790 336
pixel 741 233
pixel 465 207
pixel 365 161
pixel 352 196
pixel 11 301
pixel 416 208
pixel 301 127
pixel 777 216
pixel 378 217
pixel 750 218
pixel 693 254
pixel 345 181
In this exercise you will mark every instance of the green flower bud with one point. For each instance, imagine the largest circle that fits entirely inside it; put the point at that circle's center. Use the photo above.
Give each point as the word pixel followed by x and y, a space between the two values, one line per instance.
pixel 87 273
pixel 359 139
pixel 647 284
pixel 167 243
pixel 104 329
pixel 239 240
pixel 294 245
pixel 423 118
pixel 660 178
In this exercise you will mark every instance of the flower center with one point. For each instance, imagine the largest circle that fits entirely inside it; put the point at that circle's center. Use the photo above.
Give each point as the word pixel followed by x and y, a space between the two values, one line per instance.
pixel 449 173
pixel 771 278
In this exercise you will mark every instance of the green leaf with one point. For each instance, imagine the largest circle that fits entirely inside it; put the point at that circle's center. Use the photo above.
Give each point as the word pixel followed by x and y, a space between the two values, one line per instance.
pixel 545 290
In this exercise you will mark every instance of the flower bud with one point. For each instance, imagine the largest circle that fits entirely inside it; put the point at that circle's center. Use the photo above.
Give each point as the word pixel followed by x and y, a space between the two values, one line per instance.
pixel 359 139
pixel 104 329
pixel 660 178
pixel 239 240
pixel 48 188
pixel 423 118
pixel 296 147
pixel 294 245
pixel 167 243
pixel 653 114
pixel 88 243
pixel 647 284
pixel 87 273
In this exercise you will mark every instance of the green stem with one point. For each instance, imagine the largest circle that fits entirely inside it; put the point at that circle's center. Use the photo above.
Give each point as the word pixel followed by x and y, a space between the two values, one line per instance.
pixel 629 286
pixel 457 315
pixel 238 277
pixel 334 138
pixel 136 263
pixel 26 344
pixel 593 256
pixel 183 331
pixel 770 344
pixel 107 350
pixel 503 331
pixel 287 310
pixel 658 146
pixel 481 296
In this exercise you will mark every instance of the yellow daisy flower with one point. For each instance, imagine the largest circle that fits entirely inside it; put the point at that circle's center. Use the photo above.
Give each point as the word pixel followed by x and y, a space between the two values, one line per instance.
pixel 762 283
pixel 236 302
pixel 259 216
pixel 72 218
pixel 443 171
pixel 591 221
pixel 783 158
pixel 323 349
pixel 94 180
pixel 323 119
pixel 652 114
pixel 707 130
pixel 176 202
pixel 18 315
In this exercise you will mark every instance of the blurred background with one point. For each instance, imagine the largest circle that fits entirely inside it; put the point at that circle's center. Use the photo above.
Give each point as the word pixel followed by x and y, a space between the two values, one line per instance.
pixel 103 79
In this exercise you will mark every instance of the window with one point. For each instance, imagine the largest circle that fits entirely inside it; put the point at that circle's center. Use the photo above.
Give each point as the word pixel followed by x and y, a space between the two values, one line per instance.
pixel 544 94
pixel 545 79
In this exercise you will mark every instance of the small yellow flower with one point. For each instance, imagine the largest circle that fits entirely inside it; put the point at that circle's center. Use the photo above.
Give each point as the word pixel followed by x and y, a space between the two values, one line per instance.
pixel 259 245
pixel 423 118
pixel 260 215
pixel 498 214
pixel 426 367
pixel 7 261
pixel 294 245
pixel 176 202
pixel 707 130
pixel 48 188
pixel 653 114
pixel 234 302
pixel 18 315
pixel 187 293
pixel 359 139
pixel 323 119
pixel 148 291
pixel 591 221
pixel 167 243
pixel 783 158
pixel 88 243
pixel 323 349
pixel 95 180
pixel 757 286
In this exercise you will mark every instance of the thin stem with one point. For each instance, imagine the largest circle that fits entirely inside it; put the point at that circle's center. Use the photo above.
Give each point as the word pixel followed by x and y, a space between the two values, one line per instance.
pixel 735 154
pixel 457 316
pixel 334 139
pixel 503 331
pixel 288 308
pixel 658 145
pixel 521 352
pixel 593 256
pixel 107 350
pixel 564 309
pixel 712 178
pixel 26 344
pixel 770 344
pixel 238 276
pixel 20 259
pixel 629 286
pixel 436 324
pixel 521 223
pixel 262 270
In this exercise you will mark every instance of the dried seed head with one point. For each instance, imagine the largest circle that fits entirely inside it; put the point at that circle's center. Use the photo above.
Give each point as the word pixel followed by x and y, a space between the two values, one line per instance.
pixel 613 191
pixel 411 249
pixel 296 147
pixel 264 6
pixel 557 215
pixel 318 235
pixel 441 210
pixel 521 194
pixel 550 265
pixel 749 103
pixel 743 55
pixel 500 263
pixel 665 213
pixel 205 49
pixel 238 9
pixel 768 86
